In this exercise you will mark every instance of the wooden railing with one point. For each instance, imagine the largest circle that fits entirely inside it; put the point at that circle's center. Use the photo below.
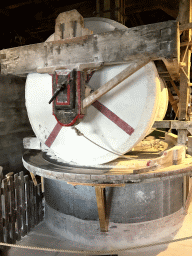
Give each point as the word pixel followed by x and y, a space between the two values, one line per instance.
pixel 21 207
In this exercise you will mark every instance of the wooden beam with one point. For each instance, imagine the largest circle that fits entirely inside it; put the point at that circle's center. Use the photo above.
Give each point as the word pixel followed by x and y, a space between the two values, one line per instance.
pixel 184 17
pixel 173 102
pixel 173 124
pixel 185 190
pixel 156 41
pixel 184 27
pixel 112 185
pixel 175 88
pixel 100 196
pixel 114 82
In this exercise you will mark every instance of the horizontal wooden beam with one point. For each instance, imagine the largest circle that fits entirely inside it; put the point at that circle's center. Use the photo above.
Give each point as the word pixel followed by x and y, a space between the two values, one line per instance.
pixel 185 26
pixel 173 124
pixel 156 41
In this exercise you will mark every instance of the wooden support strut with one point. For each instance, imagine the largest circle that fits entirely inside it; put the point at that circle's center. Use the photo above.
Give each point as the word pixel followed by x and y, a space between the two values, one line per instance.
pixel 100 196
pixel 184 17
pixel 114 82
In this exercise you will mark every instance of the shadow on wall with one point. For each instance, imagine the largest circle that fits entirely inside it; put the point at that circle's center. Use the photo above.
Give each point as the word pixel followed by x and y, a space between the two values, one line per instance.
pixel 14 123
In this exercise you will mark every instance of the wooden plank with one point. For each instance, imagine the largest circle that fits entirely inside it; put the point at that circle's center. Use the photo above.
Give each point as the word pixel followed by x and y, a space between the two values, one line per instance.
pixel 172 64
pixel 41 205
pixel 31 199
pixel 38 202
pixel 114 82
pixel 35 205
pixel 172 138
pixel 27 203
pixel 22 196
pixel 6 211
pixel 95 185
pixel 1 215
pixel 173 102
pixel 173 156
pixel 162 124
pixel 186 44
pixel 184 17
pixel 175 88
pixel 185 189
pixel 12 209
pixel 101 208
pixel 17 204
pixel 188 200
pixel 42 184
pixel 157 40
pixel 33 179
pixel 186 26
pixel 1 173
pixel 173 124
pixel 70 24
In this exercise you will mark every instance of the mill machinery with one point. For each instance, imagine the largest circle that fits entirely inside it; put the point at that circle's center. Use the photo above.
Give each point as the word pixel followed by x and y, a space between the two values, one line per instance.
pixel 95 90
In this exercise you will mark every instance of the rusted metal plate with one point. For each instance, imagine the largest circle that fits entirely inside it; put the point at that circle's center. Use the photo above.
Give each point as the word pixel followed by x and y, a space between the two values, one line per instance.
pixel 157 41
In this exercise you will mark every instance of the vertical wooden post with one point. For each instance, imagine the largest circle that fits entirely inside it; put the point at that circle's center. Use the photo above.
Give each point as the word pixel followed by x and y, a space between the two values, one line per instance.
pixel 185 189
pixel 27 203
pixel 1 216
pixel 185 16
pixel 111 9
pixel 184 101
pixel 100 196
pixel 31 198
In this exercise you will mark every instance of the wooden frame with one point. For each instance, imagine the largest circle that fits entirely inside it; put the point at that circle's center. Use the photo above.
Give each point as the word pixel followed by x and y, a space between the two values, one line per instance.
pixel 154 41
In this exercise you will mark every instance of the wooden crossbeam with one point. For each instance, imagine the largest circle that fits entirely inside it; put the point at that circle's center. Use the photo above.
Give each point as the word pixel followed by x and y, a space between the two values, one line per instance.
pixel 114 82
pixel 186 26
pixel 156 41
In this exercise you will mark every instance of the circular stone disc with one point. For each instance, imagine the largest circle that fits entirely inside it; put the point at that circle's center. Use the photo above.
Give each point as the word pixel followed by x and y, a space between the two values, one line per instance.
pixel 117 122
